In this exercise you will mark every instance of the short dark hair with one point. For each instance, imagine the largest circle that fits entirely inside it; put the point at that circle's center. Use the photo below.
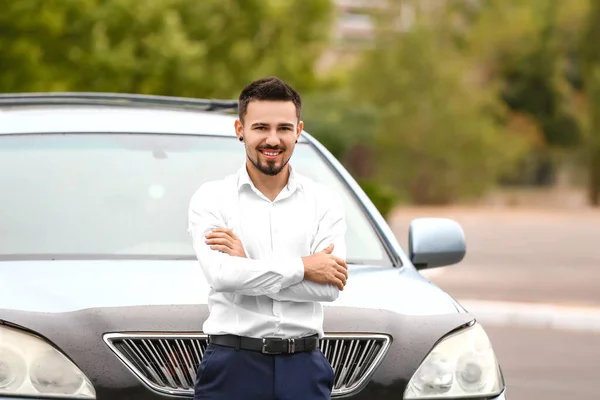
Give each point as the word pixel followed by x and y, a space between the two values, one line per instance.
pixel 270 89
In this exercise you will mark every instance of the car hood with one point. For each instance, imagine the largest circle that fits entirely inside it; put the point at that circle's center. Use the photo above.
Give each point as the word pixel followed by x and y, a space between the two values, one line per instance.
pixel 64 286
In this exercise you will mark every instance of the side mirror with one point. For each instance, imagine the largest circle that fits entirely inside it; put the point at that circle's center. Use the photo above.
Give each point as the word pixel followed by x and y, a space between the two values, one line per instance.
pixel 435 242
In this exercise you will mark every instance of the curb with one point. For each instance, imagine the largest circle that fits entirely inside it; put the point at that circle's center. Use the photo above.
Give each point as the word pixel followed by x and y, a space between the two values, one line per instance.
pixel 533 315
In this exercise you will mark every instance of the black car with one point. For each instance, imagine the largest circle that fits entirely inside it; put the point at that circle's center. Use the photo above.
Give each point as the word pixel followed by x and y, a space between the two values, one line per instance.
pixel 101 295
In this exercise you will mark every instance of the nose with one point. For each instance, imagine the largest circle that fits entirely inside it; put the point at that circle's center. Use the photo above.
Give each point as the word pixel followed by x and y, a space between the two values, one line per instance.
pixel 272 138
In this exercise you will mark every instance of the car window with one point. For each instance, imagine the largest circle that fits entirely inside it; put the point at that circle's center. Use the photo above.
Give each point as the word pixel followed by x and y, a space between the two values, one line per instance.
pixel 127 195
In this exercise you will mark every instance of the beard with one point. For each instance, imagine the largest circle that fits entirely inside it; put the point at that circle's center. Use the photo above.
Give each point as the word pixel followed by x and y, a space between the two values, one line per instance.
pixel 270 168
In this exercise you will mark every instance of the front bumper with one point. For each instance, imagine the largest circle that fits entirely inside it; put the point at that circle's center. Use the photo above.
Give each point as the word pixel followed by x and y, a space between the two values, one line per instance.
pixel 144 396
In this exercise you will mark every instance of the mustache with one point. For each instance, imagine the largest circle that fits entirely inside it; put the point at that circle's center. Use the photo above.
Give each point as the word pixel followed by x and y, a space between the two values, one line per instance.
pixel 268 147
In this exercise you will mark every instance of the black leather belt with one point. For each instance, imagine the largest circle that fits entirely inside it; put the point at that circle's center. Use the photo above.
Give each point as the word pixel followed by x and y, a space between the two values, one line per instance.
pixel 267 345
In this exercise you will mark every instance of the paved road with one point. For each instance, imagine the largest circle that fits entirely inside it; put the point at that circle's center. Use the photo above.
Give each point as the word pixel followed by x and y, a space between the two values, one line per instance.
pixel 541 364
pixel 521 255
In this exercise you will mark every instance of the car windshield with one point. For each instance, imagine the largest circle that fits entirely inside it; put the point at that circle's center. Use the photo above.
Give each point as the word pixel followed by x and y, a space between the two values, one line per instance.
pixel 127 195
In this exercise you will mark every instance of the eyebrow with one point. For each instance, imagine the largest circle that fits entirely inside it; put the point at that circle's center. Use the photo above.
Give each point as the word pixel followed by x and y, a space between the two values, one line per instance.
pixel 282 125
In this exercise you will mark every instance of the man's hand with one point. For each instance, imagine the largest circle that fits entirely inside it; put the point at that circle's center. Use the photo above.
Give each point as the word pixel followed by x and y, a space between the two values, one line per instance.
pixel 225 241
pixel 323 267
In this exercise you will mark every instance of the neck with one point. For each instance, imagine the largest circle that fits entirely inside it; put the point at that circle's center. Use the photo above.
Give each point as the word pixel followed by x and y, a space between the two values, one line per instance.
pixel 270 186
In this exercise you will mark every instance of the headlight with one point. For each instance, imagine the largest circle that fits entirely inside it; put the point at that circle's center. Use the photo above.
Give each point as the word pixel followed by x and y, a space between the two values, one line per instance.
pixel 31 367
pixel 462 365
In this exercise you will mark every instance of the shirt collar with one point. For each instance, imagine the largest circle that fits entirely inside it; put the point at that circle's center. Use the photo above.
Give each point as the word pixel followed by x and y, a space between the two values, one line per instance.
pixel 244 179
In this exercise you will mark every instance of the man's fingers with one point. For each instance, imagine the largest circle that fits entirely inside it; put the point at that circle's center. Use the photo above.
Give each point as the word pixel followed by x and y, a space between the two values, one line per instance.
pixel 342 270
pixel 220 234
pixel 328 249
pixel 225 231
pixel 341 277
pixel 339 284
pixel 340 262
pixel 221 248
pixel 220 241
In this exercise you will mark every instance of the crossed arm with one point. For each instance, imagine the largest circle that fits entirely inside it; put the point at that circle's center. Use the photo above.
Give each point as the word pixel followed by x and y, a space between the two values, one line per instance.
pixel 331 230
pixel 280 279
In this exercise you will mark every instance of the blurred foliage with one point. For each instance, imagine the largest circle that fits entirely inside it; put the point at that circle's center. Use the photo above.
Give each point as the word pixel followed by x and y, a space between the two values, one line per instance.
pixel 382 196
pixel 438 136
pixel 208 48
pixel 470 95
pixel 532 48
pixel 447 100
pixel 339 123
pixel 590 52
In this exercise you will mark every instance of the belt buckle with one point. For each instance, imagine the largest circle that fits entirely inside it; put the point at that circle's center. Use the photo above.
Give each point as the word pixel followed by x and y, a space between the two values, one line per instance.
pixel 291 347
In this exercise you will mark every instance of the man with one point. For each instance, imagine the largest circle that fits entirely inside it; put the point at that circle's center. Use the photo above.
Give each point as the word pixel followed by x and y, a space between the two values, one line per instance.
pixel 271 244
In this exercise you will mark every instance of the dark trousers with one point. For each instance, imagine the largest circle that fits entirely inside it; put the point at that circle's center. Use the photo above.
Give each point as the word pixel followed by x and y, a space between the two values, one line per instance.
pixel 229 374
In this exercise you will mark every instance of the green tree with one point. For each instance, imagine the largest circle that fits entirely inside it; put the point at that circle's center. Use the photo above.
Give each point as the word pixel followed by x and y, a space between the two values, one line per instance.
pixel 530 47
pixel 206 48
pixel 345 126
pixel 591 76
pixel 439 134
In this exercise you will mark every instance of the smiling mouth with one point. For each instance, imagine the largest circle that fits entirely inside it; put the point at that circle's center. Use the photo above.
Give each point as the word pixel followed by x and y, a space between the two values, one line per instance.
pixel 270 154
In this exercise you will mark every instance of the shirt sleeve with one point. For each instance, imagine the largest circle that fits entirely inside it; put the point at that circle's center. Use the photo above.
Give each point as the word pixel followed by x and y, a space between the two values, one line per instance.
pixel 331 229
pixel 226 273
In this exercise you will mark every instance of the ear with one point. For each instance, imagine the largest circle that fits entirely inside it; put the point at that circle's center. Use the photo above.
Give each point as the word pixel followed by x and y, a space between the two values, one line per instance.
pixel 239 128
pixel 299 129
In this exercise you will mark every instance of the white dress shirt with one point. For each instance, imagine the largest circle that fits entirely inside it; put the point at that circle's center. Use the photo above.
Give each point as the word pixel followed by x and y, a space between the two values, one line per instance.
pixel 265 295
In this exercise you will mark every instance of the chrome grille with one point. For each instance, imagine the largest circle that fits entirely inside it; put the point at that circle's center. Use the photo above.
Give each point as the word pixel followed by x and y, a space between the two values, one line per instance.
pixel 168 362
pixel 353 359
